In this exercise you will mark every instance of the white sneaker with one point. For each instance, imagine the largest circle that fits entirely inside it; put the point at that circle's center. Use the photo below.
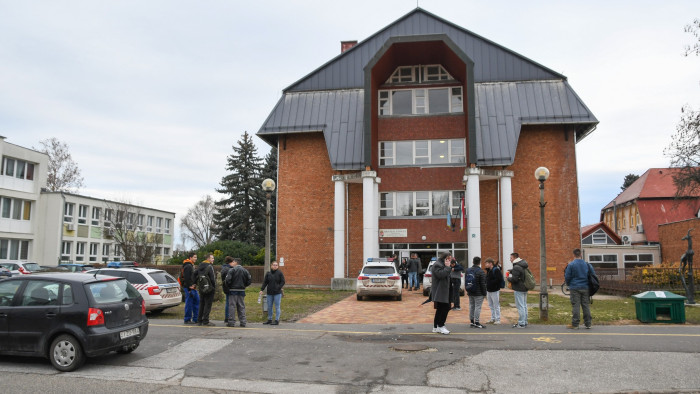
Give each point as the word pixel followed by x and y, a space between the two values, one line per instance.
pixel 497 322
pixel 443 330
pixel 436 329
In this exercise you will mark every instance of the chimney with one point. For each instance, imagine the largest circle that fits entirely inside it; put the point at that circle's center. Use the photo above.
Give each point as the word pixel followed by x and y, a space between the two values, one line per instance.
pixel 345 45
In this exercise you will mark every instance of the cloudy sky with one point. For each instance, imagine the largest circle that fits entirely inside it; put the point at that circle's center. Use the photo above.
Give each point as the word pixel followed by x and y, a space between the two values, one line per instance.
pixel 152 95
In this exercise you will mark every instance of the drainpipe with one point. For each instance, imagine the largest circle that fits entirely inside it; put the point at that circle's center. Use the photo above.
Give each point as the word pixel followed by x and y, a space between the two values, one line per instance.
pixel 60 221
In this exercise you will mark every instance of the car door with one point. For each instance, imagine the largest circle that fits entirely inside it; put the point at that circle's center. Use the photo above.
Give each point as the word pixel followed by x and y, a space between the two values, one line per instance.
pixel 34 316
pixel 8 290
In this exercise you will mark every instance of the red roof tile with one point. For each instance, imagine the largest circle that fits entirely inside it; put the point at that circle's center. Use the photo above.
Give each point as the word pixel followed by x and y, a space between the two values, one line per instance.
pixel 654 183
pixel 656 212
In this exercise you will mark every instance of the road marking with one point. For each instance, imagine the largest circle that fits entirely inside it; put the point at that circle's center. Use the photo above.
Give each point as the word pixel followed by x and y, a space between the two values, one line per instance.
pixel 183 354
pixel 547 339
pixel 507 333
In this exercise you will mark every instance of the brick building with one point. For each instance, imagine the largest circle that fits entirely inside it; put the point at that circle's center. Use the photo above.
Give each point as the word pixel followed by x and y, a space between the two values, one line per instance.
pixel 420 125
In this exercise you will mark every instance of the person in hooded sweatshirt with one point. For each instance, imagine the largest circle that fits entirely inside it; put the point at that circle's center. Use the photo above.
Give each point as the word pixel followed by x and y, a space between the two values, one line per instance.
pixel 517 281
pixel 274 282
pixel 205 300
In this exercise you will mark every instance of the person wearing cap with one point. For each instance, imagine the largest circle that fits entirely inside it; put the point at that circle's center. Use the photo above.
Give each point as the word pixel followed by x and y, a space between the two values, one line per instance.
pixel 440 292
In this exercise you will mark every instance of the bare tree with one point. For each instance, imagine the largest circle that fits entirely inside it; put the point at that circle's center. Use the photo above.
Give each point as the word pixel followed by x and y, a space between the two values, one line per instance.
pixel 63 172
pixel 124 223
pixel 694 29
pixel 197 224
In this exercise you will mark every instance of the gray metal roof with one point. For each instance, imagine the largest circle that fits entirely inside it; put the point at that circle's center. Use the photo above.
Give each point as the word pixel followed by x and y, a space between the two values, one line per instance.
pixel 501 110
pixel 493 63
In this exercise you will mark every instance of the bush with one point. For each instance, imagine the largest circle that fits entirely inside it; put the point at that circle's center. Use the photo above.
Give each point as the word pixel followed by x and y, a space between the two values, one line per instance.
pixel 248 253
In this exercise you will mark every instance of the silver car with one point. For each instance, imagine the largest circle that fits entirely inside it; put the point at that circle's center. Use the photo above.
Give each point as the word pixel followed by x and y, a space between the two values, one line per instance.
pixel 379 278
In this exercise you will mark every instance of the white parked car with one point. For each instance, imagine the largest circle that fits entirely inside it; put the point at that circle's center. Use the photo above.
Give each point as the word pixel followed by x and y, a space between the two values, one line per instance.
pixel 428 278
pixel 21 267
pixel 158 288
pixel 379 278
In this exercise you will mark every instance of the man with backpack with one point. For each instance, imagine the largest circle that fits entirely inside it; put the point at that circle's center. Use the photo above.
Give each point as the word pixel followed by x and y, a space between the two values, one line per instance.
pixel 517 280
pixel 237 279
pixel 205 280
pixel 475 284
pixel 188 289
pixel 494 284
pixel 576 276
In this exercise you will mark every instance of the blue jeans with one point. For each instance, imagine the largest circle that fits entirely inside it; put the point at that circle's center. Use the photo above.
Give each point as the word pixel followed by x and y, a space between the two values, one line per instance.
pixel 191 304
pixel 276 300
pixel 413 279
pixel 521 305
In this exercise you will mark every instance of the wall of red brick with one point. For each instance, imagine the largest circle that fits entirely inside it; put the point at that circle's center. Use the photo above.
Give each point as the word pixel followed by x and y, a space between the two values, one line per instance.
pixel 671 239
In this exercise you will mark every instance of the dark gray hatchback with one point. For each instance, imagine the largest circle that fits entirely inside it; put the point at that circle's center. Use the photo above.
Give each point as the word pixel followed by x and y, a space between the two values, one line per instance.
pixel 70 316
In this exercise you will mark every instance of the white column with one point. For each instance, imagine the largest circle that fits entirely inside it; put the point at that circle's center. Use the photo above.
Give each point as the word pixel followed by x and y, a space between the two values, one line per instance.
pixel 375 221
pixel 368 215
pixel 506 222
pixel 339 233
pixel 473 215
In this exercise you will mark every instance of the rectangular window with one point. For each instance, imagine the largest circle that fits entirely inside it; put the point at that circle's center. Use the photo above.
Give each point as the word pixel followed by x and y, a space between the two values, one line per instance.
pixel 27 211
pixel 140 220
pixel 166 251
pixel 93 251
pixel 96 213
pixel 638 260
pixel 30 171
pixel 603 261
pixel 159 224
pixel 457 197
pixel 457 154
pixel 108 218
pixel 117 251
pixel 421 101
pixel 105 252
pixel 149 224
pixel 439 101
pixel 68 212
pixel 10 167
pixel 19 172
pixel 456 100
pixel 23 250
pixel 167 226
pixel 439 152
pixel 16 209
pixel 422 203
pixel 441 202
pixel 82 214
pixel 6 207
pixel 404 204
pixel 65 250
pixel 18 169
pixel 599 238
pixel 386 204
pixel 4 248
pixel 14 249
pixel 401 102
pixel 80 251
pixel 384 103
pixel 422 152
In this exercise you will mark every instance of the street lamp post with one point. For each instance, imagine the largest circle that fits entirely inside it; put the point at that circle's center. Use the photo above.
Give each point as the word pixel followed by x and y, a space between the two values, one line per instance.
pixel 541 174
pixel 268 186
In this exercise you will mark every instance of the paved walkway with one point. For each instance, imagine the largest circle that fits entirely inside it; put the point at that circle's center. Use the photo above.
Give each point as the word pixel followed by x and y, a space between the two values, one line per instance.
pixel 383 310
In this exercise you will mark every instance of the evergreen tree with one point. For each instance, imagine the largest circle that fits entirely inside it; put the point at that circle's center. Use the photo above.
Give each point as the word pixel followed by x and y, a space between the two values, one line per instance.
pixel 241 214
pixel 629 179
pixel 270 171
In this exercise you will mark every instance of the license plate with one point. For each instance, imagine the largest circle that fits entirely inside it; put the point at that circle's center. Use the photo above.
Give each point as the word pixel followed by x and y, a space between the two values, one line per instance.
pixel 171 290
pixel 129 333
pixel 378 280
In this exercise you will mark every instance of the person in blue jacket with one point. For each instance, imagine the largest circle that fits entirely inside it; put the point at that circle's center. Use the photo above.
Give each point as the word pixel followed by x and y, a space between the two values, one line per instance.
pixel 576 276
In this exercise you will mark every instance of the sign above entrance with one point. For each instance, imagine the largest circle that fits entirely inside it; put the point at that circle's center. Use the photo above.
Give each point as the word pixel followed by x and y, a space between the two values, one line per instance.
pixel 393 232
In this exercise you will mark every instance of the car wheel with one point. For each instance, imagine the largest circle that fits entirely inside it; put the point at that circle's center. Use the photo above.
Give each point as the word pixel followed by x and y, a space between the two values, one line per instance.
pixel 359 297
pixel 126 349
pixel 66 354
pixel 398 298
pixel 156 312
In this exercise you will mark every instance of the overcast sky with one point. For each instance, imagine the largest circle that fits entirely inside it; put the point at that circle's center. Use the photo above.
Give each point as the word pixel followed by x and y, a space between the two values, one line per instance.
pixel 152 95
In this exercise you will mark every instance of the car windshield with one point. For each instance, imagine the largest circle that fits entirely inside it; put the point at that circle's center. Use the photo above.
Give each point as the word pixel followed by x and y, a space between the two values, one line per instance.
pixel 110 291
pixel 378 270
pixel 162 277
pixel 32 266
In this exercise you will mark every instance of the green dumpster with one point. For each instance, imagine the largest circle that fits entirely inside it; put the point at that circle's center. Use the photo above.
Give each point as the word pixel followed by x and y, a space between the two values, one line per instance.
pixel 659 307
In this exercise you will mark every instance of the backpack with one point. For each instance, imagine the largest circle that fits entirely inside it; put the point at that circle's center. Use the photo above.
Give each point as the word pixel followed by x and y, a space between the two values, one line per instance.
pixel 528 279
pixel 593 283
pixel 204 284
pixel 503 281
pixel 469 281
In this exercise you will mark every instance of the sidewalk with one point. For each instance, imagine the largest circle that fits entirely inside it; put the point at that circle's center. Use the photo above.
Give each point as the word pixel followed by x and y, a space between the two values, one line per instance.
pixel 383 310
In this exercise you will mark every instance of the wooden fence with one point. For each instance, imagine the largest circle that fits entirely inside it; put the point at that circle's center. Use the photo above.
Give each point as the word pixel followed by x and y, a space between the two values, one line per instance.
pixel 629 281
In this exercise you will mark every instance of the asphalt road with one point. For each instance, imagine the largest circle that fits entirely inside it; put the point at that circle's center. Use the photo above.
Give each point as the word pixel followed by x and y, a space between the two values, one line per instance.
pixel 305 358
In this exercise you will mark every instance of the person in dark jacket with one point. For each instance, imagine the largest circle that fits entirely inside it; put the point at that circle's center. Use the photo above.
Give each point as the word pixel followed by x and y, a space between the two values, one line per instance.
pixel 413 267
pixel 440 292
pixel 517 281
pixel 456 283
pixel 476 293
pixel 494 278
pixel 228 263
pixel 205 300
pixel 403 271
pixel 237 279
pixel 191 295
pixel 274 282
pixel 576 276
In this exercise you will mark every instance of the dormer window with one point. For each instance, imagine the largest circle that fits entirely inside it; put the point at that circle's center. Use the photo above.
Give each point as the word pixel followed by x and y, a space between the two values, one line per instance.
pixel 419 74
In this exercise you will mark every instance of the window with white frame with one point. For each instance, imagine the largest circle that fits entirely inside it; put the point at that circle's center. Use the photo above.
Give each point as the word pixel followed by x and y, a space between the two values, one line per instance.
pixel 167 226
pixel 130 218
pixel 442 100
pixel 15 208
pixel 603 260
pixel 149 224
pixel 82 214
pixel 105 251
pixel 108 217
pixel 117 251
pixel 419 74
pixel 638 260
pixel 419 203
pixel 68 211
pixel 66 250
pixel 599 237
pixel 94 247
pixel 96 213
pixel 159 225
pixel 140 220
pixel 18 168
pixel 422 152
pixel 14 249
pixel 79 251
pixel 166 251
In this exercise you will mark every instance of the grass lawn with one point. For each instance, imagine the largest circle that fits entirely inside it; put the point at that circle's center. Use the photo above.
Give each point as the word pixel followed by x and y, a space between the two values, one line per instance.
pixel 296 304
pixel 604 312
